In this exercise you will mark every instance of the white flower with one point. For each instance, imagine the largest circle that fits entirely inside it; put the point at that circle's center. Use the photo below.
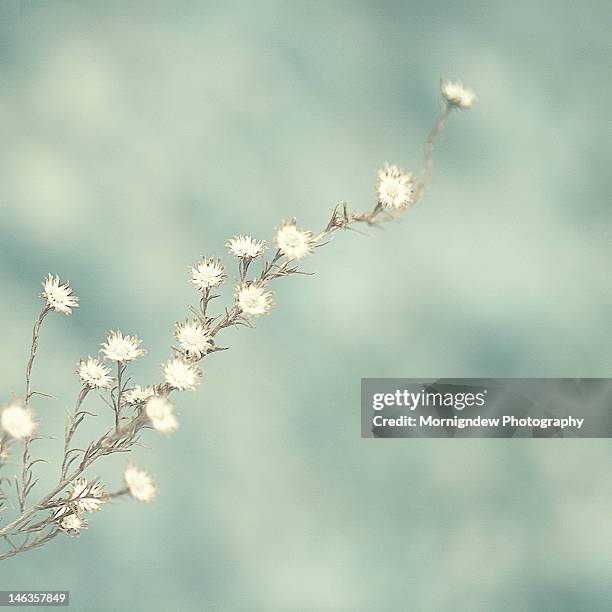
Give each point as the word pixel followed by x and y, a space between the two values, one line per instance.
pixel 252 299
pixel 395 188
pixel 122 348
pixel 161 413
pixel 94 374
pixel 72 523
pixel 181 374
pixel 458 95
pixel 17 421
pixel 59 296
pixel 87 498
pixel 193 339
pixel 139 395
pixel 208 273
pixel 139 484
pixel 294 243
pixel 246 247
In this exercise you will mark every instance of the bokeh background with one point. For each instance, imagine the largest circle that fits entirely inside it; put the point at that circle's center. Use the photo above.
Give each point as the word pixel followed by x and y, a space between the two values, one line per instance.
pixel 138 136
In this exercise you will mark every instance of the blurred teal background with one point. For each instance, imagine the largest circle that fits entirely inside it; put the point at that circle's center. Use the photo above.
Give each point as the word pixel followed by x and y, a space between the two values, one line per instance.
pixel 139 135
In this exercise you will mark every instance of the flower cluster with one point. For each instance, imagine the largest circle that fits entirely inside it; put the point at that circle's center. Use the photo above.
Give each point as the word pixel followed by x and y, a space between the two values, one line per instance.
pixel 181 374
pixel 245 247
pixel 139 395
pixel 94 374
pixel 122 348
pixel 59 297
pixel 395 188
pixel 292 242
pixel 252 299
pixel 161 414
pixel 17 421
pixel 457 95
pixel 70 521
pixel 193 338
pixel 84 497
pixel 207 273
pixel 139 484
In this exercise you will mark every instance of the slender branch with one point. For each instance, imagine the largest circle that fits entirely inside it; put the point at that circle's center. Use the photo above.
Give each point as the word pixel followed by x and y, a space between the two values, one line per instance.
pixel 33 349
pixel 74 421
pixel 4 445
pixel 43 539
pixel 428 149
pixel 119 493
pixel 345 220
pixel 120 371
pixel 25 472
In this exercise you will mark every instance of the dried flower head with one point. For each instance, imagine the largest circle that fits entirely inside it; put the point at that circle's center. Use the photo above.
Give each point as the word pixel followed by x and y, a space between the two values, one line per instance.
pixel 456 94
pixel 193 339
pixel 208 273
pixel 138 394
pixel 88 498
pixel 181 374
pixel 94 374
pixel 394 187
pixel 294 243
pixel 59 296
pixel 72 524
pixel 252 299
pixel 122 348
pixel 140 485
pixel 161 414
pixel 246 247
pixel 17 421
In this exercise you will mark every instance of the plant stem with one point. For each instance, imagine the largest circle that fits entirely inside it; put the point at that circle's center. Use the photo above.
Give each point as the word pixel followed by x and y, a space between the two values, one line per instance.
pixel 28 394
pixel 33 349
pixel 75 421
pixel 120 370
pixel 428 149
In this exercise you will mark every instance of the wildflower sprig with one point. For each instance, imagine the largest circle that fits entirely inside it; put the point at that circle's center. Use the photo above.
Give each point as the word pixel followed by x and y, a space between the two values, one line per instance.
pixel 133 409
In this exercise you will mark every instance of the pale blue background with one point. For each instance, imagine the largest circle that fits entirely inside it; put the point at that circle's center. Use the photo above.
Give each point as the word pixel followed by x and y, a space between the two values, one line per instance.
pixel 139 135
